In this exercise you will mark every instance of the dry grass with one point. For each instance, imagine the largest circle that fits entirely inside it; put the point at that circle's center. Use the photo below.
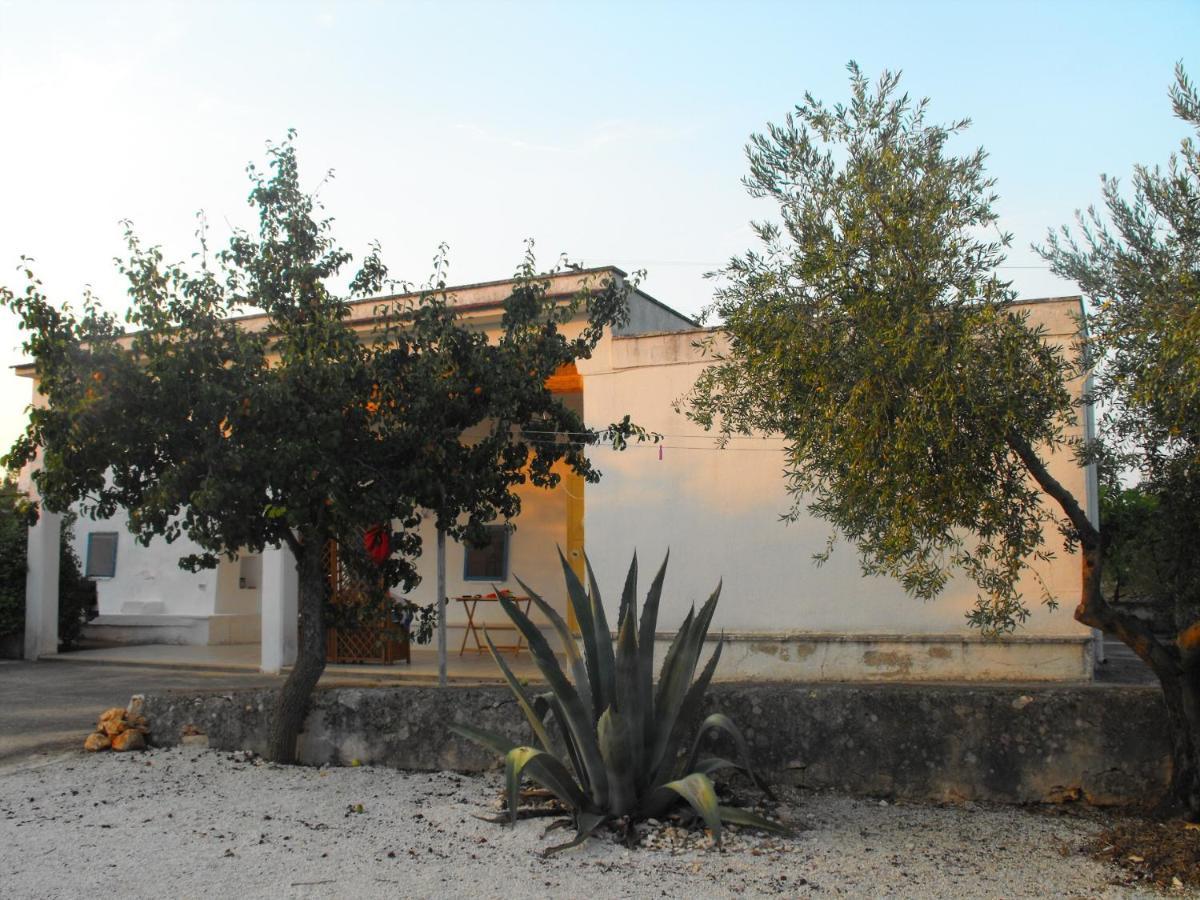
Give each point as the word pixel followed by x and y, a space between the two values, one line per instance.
pixel 1165 854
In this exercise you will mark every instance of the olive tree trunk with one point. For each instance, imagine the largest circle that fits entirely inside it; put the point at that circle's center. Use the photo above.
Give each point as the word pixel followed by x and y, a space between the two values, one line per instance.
pixel 1174 661
pixel 1182 695
pixel 294 696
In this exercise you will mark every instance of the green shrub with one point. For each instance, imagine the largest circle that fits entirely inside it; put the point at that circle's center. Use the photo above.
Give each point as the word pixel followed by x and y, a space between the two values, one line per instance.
pixel 76 594
pixel 623 735
pixel 13 539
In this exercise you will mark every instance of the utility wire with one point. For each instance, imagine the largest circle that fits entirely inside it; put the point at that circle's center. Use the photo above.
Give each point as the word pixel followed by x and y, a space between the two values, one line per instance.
pixel 713 265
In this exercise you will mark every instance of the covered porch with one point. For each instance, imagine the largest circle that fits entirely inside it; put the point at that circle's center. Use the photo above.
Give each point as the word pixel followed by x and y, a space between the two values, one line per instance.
pixel 243 615
pixel 423 668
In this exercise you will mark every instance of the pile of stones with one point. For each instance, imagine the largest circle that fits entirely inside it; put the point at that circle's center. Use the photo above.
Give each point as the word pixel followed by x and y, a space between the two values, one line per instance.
pixel 119 729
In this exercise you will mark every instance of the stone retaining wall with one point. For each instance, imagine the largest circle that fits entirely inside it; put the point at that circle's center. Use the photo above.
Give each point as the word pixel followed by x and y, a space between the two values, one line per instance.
pixel 1014 744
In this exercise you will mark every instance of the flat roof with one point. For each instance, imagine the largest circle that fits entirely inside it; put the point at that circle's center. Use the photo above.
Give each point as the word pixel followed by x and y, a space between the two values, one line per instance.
pixel 477 296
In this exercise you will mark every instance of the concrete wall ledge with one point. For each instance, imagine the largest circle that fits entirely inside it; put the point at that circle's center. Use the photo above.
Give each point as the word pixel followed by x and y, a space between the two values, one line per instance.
pixel 801 656
pixel 1014 744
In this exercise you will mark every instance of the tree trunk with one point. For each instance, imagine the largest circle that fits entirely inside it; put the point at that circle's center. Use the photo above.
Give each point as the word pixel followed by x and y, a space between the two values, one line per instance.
pixel 1182 696
pixel 297 690
pixel 1176 663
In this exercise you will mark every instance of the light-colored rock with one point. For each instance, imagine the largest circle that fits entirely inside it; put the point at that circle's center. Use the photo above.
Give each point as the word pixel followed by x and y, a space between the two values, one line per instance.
pixel 96 742
pixel 129 740
pixel 113 713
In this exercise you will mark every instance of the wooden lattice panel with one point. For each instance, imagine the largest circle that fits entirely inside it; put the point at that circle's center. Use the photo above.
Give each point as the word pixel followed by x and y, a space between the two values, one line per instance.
pixel 366 643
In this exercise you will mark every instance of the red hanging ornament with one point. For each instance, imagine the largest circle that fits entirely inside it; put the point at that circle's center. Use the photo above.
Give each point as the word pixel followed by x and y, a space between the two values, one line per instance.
pixel 378 543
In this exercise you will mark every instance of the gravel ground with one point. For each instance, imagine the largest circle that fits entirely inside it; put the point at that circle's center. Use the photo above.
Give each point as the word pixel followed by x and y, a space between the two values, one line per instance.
pixel 199 823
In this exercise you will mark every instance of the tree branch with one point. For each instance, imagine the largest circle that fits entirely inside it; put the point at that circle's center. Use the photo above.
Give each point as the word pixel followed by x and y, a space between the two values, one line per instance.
pixel 1089 536
pixel 1093 609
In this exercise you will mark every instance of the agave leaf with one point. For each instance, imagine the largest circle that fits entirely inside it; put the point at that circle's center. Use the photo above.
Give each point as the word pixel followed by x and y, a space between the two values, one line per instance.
pixel 585 826
pixel 605 662
pixel 587 632
pixel 575 716
pixel 704 619
pixel 646 632
pixel 547 771
pixel 649 623
pixel 629 594
pixel 613 735
pixel 698 791
pixel 672 733
pixel 560 717
pixel 684 653
pixel 670 663
pixel 628 696
pixel 497 743
pixel 721 722
pixel 579 672
pixel 523 699
pixel 736 816
pixel 709 764
pixel 676 691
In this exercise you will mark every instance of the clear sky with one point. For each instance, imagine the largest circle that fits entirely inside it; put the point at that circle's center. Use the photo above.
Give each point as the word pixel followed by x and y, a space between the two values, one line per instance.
pixel 611 131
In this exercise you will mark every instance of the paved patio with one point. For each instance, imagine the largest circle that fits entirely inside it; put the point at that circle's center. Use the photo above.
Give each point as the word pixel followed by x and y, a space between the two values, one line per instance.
pixel 470 668
pixel 50 706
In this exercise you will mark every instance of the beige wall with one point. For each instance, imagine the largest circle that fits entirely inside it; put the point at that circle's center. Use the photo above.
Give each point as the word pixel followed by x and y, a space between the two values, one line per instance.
pixel 718 511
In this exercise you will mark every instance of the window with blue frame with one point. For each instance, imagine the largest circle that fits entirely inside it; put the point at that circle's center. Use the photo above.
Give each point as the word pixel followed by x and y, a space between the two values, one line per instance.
pixel 489 562
pixel 101 559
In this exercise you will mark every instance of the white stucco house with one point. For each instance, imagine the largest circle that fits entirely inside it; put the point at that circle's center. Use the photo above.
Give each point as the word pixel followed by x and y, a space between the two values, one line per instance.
pixel 716 509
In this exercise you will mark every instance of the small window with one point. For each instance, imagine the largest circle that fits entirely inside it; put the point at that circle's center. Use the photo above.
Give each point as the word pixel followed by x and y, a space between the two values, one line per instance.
pixel 489 562
pixel 101 554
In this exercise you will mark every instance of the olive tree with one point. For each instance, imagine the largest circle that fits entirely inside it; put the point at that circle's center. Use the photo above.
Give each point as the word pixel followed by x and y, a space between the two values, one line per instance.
pixel 920 407
pixel 305 430
pixel 1138 262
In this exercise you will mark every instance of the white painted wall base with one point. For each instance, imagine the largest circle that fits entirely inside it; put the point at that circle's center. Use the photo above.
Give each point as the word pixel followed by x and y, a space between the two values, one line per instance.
pixel 925 657
pixel 159 629
pixel 816 656
pixel 821 657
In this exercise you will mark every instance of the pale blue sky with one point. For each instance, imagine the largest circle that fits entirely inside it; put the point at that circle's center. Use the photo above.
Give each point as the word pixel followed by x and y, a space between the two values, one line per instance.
pixel 613 132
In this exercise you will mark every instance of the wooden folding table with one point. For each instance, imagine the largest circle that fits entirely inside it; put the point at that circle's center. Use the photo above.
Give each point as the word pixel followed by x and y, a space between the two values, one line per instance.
pixel 471 603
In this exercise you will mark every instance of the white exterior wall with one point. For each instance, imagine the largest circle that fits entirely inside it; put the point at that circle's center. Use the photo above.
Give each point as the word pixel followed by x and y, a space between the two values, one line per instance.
pixel 718 512
pixel 532 555
pixel 148 580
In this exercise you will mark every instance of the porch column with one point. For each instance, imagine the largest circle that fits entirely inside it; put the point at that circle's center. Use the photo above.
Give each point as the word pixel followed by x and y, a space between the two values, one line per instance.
pixel 41 587
pixel 280 593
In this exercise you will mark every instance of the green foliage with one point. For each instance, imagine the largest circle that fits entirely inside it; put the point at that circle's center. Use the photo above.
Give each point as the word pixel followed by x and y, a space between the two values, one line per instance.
pixel 871 331
pixel 1150 532
pixel 1140 266
pixel 1135 557
pixel 76 594
pixel 306 429
pixel 1138 262
pixel 13 541
pixel 623 734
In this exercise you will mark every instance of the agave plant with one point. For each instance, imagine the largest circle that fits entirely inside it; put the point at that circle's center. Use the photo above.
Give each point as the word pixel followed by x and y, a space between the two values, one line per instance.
pixel 622 734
